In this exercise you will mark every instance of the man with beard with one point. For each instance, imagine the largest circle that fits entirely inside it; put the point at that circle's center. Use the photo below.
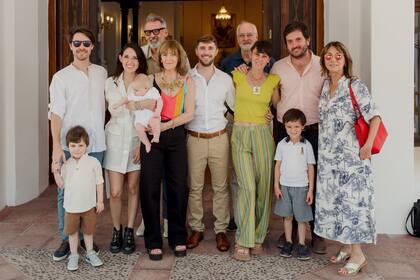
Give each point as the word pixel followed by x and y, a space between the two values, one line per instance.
pixel 246 35
pixel 300 87
pixel 155 30
pixel 76 98
pixel 208 143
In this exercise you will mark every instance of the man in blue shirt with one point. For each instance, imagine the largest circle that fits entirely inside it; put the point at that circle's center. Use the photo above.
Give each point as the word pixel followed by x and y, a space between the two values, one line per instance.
pixel 246 35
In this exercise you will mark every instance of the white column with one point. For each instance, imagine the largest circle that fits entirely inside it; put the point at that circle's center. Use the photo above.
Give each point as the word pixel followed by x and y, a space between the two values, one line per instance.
pixel 25 92
pixel 380 37
pixel 392 86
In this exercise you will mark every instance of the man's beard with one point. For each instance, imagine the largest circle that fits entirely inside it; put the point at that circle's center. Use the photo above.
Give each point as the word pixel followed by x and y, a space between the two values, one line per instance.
pixel 206 64
pixel 154 44
pixel 301 54
pixel 82 56
pixel 245 47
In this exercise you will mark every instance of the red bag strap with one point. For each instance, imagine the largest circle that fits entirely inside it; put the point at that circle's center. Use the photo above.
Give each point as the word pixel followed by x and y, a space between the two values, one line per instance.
pixel 354 102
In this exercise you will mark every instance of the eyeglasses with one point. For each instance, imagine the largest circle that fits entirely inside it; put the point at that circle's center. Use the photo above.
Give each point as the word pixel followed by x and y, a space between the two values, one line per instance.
pixel 337 56
pixel 246 35
pixel 77 43
pixel 154 31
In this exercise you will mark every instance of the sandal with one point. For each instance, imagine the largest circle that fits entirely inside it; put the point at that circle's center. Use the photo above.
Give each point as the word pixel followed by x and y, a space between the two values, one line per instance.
pixel 351 269
pixel 180 253
pixel 241 253
pixel 155 256
pixel 340 257
pixel 257 250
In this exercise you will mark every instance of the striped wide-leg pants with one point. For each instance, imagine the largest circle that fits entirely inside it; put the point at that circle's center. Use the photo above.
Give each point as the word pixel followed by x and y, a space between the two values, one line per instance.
pixel 253 153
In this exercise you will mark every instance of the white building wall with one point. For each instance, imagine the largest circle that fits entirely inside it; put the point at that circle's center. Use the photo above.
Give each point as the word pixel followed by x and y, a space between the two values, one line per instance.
pixel 379 35
pixel 25 88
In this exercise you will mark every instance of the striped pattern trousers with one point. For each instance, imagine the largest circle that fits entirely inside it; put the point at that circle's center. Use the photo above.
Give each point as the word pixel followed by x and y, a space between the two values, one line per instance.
pixel 252 154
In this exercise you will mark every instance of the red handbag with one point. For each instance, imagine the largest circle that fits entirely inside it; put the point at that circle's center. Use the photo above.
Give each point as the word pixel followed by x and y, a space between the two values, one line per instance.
pixel 362 127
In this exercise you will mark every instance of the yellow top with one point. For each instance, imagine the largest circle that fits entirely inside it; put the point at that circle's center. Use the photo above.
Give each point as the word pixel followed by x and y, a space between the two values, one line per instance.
pixel 252 103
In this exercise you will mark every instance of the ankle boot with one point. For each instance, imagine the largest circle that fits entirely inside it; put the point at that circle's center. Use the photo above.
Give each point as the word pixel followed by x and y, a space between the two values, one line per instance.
pixel 128 243
pixel 117 240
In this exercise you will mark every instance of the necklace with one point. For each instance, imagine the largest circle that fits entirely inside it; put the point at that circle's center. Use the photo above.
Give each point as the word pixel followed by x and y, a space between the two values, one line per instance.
pixel 172 85
pixel 256 83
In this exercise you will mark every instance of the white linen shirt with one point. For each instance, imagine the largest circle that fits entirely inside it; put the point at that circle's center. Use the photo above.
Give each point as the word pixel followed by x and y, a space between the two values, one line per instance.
pixel 121 136
pixel 294 162
pixel 210 101
pixel 79 100
pixel 80 180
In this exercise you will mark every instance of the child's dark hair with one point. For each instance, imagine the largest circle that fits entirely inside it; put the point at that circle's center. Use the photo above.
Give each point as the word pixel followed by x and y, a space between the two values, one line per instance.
pixel 294 114
pixel 76 134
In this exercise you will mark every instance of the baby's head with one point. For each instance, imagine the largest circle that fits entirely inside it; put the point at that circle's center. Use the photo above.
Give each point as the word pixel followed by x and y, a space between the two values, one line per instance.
pixel 77 140
pixel 141 84
pixel 294 121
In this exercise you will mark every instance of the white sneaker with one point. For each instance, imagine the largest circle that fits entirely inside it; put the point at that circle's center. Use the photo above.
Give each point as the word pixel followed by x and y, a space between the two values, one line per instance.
pixel 165 228
pixel 73 262
pixel 92 258
pixel 140 229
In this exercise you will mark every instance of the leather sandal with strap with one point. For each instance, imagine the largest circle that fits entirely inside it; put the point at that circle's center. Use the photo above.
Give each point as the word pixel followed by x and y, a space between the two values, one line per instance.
pixel 340 257
pixel 351 269
pixel 257 250
pixel 241 253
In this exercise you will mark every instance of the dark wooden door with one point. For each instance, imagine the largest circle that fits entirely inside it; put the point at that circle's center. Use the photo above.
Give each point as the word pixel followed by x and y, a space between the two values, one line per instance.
pixel 282 12
pixel 64 15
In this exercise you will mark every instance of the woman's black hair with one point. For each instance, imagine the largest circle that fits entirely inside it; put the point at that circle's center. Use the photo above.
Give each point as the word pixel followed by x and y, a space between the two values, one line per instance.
pixel 142 69
pixel 263 46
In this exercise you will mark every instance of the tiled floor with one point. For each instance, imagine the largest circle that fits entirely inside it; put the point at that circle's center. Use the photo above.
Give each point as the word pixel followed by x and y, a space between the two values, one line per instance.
pixel 33 225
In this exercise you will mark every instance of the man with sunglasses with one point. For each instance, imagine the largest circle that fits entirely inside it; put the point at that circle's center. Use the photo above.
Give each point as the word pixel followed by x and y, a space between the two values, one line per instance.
pixel 155 30
pixel 300 87
pixel 76 98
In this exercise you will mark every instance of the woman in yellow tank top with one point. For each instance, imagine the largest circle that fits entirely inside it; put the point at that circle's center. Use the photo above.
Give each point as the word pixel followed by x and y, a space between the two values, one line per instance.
pixel 253 151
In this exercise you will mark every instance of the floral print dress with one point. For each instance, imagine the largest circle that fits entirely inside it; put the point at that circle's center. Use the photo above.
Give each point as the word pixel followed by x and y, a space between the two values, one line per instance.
pixel 344 209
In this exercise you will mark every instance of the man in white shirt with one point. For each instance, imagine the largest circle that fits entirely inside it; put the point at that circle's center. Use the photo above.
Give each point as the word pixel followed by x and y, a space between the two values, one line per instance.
pixel 208 143
pixel 76 98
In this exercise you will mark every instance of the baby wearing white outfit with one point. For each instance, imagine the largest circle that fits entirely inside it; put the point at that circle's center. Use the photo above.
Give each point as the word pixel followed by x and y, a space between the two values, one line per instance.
pixel 141 89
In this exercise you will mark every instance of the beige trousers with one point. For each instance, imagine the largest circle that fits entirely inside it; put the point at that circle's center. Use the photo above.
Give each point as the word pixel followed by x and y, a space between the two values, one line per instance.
pixel 213 152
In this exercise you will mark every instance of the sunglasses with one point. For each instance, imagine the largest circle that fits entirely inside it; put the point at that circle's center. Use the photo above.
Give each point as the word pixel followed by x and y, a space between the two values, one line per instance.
pixel 154 31
pixel 77 43
pixel 337 57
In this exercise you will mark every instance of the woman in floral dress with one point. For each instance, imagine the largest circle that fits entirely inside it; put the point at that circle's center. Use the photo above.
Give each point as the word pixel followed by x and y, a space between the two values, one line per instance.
pixel 344 200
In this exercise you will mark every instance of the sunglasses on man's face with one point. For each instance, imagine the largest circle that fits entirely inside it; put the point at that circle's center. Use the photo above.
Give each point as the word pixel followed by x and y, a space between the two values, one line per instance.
pixel 154 31
pixel 77 43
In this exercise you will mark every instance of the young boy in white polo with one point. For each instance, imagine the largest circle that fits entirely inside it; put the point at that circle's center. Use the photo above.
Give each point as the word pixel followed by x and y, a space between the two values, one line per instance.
pixel 82 180
pixel 294 174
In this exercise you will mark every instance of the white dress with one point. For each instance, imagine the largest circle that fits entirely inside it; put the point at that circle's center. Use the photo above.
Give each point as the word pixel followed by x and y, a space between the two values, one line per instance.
pixel 120 133
pixel 143 116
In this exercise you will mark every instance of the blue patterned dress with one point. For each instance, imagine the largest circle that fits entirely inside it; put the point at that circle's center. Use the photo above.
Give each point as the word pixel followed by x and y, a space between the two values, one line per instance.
pixel 344 199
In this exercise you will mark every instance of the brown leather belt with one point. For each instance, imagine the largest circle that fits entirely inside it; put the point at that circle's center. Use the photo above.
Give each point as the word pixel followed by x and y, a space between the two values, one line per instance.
pixel 206 135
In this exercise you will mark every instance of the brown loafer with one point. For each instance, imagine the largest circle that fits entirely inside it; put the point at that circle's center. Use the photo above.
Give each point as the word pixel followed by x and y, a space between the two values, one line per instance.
pixel 194 239
pixel 222 242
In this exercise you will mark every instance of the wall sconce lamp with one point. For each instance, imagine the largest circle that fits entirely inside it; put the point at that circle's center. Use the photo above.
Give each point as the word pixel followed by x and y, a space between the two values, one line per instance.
pixel 107 22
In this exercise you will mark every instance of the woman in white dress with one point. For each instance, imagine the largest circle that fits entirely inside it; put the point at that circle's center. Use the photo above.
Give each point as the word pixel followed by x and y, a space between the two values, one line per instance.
pixel 122 157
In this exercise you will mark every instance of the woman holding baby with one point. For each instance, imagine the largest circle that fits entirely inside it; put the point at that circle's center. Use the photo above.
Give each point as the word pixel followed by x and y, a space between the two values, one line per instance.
pixel 177 93
pixel 122 157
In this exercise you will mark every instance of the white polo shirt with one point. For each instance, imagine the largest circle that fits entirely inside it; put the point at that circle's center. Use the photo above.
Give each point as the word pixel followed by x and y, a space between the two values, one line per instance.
pixel 210 101
pixel 80 100
pixel 294 162
pixel 80 180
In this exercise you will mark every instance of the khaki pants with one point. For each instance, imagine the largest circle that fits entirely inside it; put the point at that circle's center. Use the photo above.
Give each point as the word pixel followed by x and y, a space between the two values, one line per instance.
pixel 213 152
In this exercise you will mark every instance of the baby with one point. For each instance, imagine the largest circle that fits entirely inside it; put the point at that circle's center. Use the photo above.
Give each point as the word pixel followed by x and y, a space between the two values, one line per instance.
pixel 141 89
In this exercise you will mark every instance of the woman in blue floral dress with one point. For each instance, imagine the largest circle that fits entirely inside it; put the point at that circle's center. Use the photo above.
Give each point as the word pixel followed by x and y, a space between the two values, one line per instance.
pixel 344 200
